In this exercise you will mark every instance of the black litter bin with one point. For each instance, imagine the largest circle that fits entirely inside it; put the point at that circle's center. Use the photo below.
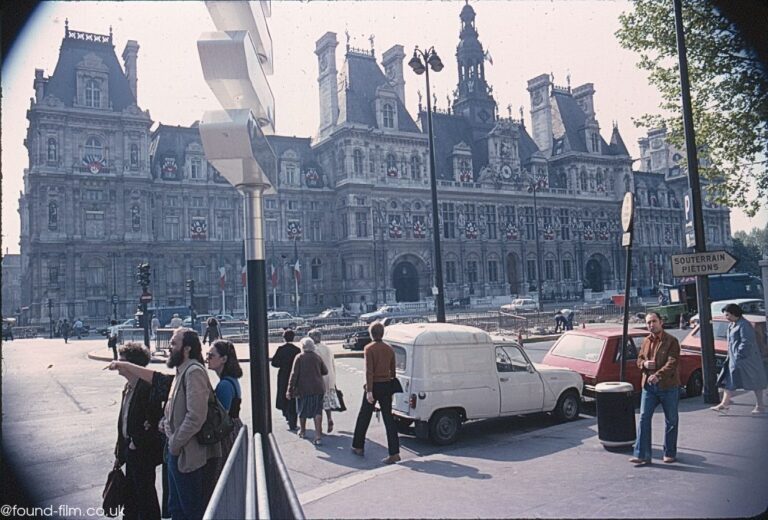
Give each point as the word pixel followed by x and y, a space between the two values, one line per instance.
pixel 615 414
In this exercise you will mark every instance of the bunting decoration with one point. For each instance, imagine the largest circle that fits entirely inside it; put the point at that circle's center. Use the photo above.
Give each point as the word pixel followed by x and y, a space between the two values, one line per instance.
pixel 199 228
pixel 588 233
pixel 94 163
pixel 419 230
pixel 312 178
pixel 512 232
pixel 294 230
pixel 602 233
pixel 395 230
pixel 549 233
pixel 465 175
pixel 470 230
pixel 392 171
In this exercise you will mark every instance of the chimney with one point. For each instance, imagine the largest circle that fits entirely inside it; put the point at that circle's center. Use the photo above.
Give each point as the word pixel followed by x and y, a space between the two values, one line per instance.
pixel 392 61
pixel 325 49
pixel 584 96
pixel 130 55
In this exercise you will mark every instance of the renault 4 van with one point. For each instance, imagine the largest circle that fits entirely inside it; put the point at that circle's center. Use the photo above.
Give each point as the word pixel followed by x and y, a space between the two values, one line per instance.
pixel 455 373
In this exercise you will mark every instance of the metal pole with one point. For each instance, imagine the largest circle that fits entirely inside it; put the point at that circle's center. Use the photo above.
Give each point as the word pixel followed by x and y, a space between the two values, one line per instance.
pixel 440 297
pixel 258 341
pixel 538 253
pixel 625 327
pixel 50 316
pixel 708 363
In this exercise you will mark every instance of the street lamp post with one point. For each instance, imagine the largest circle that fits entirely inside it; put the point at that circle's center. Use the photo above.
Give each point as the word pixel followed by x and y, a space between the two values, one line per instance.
pixel 50 316
pixel 421 62
pixel 534 185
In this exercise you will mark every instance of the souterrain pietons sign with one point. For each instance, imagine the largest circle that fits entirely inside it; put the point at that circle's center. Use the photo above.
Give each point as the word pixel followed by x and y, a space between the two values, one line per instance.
pixel 702 264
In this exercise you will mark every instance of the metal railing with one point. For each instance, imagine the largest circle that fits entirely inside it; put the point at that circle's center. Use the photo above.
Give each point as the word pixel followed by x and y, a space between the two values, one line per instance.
pixel 128 334
pixel 283 501
pixel 229 496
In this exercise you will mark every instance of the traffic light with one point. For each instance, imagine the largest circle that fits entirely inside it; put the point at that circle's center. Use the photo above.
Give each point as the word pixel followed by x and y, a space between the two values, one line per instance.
pixel 142 274
pixel 190 286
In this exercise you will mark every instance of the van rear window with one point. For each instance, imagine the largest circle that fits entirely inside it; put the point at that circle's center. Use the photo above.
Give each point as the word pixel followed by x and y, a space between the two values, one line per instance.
pixel 575 346
pixel 400 358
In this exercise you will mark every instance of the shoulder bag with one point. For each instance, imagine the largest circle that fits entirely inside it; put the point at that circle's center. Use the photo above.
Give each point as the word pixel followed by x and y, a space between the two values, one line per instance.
pixel 218 423
pixel 115 492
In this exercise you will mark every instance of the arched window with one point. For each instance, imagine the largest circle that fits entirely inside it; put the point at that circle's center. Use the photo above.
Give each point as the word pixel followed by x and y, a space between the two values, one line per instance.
pixel 357 157
pixel 389 116
pixel 316 266
pixel 391 164
pixel 583 182
pixel 93 93
pixel 134 155
pixel 599 179
pixel 416 167
pixel 53 216
pixel 52 150
pixel 93 148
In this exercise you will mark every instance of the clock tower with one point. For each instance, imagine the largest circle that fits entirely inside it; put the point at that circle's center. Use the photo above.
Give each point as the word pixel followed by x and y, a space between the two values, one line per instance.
pixel 473 100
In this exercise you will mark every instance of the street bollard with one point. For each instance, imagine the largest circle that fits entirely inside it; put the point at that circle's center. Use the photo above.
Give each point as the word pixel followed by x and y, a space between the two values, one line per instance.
pixel 520 336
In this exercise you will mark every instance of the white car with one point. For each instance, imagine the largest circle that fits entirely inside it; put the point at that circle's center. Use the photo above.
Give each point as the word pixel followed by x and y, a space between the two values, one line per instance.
pixel 748 306
pixel 384 311
pixel 521 305
pixel 284 320
pixel 454 373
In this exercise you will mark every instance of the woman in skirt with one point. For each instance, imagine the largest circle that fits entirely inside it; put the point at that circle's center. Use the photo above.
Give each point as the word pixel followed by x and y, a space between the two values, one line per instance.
pixel 330 398
pixel 306 385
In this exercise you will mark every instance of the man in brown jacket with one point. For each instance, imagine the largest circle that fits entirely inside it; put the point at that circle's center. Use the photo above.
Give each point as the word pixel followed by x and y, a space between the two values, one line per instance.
pixel 185 413
pixel 658 362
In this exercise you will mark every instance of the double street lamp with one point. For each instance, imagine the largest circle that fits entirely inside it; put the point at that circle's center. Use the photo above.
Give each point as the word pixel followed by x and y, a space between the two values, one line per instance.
pixel 421 62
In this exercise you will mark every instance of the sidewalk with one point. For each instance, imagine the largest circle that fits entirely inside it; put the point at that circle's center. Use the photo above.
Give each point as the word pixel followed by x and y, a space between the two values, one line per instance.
pixel 564 472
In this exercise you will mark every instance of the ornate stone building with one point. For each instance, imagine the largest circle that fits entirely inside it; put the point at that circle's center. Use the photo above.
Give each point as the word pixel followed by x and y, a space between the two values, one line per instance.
pixel 103 193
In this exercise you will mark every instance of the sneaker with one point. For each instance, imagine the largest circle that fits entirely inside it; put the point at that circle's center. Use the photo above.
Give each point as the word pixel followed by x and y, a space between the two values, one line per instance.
pixel 669 460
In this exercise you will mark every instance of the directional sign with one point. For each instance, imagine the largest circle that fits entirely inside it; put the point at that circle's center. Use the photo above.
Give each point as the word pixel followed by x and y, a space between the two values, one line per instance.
pixel 702 264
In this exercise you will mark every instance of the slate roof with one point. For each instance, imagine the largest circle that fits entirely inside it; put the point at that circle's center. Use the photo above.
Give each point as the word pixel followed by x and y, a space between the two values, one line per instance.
pixel 617 146
pixel 171 141
pixel 452 129
pixel 574 121
pixel 364 77
pixel 62 83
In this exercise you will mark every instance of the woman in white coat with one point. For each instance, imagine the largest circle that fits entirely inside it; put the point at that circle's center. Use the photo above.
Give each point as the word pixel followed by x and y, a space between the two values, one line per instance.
pixel 330 399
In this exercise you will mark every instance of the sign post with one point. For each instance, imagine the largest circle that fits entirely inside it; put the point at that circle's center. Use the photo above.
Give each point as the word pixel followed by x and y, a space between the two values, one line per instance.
pixel 627 225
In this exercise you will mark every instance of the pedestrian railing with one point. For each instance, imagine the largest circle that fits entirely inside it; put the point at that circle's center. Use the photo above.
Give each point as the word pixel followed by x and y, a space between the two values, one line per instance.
pixel 163 339
pixel 229 496
pixel 283 501
pixel 128 334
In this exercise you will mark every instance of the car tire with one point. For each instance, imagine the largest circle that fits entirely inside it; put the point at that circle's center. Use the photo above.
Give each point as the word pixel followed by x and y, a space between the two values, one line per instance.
pixel 567 407
pixel 444 427
pixel 695 384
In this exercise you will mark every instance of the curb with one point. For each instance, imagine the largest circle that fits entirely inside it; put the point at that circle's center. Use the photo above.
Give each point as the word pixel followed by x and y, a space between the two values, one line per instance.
pixel 97 356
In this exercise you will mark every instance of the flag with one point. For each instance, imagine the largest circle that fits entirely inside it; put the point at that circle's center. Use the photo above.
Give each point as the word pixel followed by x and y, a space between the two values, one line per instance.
pixel 222 277
pixel 297 271
pixel 273 275
pixel 244 276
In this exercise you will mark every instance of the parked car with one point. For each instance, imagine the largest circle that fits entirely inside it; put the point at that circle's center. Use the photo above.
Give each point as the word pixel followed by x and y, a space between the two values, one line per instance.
pixel 520 305
pixel 383 312
pixel 748 306
pixel 284 320
pixel 130 323
pixel 692 342
pixel 360 338
pixel 338 316
pixel 225 317
pixel 594 353
pixel 455 373
pixel 8 324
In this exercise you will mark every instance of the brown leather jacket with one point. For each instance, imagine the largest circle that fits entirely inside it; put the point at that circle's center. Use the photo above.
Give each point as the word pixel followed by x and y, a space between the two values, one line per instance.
pixel 667 356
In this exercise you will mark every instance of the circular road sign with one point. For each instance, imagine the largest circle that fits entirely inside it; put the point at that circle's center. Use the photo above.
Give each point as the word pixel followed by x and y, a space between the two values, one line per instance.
pixel 627 211
pixel 115 299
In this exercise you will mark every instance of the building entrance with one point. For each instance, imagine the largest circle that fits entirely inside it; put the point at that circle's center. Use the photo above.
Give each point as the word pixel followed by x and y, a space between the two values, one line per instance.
pixel 405 280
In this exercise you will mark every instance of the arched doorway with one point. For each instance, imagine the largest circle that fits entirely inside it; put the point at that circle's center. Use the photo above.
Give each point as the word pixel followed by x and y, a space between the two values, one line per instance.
pixel 405 280
pixel 596 273
pixel 513 276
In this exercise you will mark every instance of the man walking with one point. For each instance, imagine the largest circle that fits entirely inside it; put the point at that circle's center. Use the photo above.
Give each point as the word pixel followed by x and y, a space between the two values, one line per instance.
pixel 185 413
pixel 78 328
pixel 658 362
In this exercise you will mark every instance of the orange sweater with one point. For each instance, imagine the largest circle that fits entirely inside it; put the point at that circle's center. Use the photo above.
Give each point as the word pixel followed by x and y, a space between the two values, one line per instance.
pixel 379 364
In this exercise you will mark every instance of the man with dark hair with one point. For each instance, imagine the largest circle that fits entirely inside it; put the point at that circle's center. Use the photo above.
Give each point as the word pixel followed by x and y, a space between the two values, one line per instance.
pixel 658 361
pixel 185 413
pixel 139 443
pixel 112 339
pixel 283 361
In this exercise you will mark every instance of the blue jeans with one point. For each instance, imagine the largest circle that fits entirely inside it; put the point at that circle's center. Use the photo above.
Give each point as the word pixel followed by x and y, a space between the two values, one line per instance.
pixel 185 491
pixel 653 396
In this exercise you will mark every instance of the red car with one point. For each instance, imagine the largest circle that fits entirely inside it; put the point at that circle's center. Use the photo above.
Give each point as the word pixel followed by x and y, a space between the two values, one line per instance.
pixel 692 341
pixel 594 354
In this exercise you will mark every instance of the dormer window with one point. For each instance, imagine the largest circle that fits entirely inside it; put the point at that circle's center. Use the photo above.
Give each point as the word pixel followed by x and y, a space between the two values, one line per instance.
pixel 93 93
pixel 595 143
pixel 388 116
pixel 195 168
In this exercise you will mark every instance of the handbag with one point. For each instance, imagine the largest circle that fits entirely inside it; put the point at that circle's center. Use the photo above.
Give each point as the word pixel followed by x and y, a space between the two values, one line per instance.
pixel 397 388
pixel 340 397
pixel 723 375
pixel 115 492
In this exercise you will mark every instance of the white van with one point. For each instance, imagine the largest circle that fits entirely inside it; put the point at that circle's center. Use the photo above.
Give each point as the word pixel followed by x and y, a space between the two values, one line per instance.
pixel 454 373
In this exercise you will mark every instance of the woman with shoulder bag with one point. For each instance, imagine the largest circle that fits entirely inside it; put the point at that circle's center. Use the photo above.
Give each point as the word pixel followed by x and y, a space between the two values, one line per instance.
pixel 744 367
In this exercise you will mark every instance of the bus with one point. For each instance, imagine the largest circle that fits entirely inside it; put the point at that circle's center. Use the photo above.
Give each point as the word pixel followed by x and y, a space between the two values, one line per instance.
pixel 680 300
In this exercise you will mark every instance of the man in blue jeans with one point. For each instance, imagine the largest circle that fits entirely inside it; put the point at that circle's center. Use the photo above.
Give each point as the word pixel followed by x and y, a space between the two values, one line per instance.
pixel 658 362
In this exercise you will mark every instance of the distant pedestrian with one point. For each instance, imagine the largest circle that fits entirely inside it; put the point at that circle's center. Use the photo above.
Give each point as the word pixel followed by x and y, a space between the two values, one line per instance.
pixel 112 333
pixel 330 399
pixel 379 376
pixel 212 331
pixel 139 442
pixel 176 322
pixel 154 326
pixel 283 361
pixel 745 369
pixel 222 359
pixel 78 326
pixel 306 386
pixel 65 329
pixel 658 362
pixel 560 322
pixel 568 315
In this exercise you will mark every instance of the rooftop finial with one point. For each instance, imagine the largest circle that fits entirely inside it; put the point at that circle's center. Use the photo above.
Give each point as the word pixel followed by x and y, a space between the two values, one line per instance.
pixel 346 33
pixel 370 39
pixel 66 27
pixel 110 33
pixel 418 93
pixel 568 80
pixel 521 113
pixel 509 110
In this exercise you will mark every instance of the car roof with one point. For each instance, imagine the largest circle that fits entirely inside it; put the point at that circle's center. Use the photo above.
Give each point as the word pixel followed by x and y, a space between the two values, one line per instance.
pixel 606 332
pixel 437 334
pixel 754 318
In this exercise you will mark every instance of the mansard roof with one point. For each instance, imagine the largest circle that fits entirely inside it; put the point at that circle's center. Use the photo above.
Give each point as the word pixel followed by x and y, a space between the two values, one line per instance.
pixel 574 122
pixel 617 146
pixel 363 78
pixel 73 50
pixel 172 141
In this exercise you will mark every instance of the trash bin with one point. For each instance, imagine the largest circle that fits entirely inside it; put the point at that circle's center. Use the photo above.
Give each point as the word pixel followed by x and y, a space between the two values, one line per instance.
pixel 615 414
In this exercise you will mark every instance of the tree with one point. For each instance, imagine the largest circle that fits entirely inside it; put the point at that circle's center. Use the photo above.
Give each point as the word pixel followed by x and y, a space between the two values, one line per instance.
pixel 748 257
pixel 729 93
pixel 755 238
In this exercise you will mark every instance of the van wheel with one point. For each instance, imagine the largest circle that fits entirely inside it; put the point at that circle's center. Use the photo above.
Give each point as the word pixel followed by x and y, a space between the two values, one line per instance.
pixel 695 384
pixel 567 408
pixel 444 427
